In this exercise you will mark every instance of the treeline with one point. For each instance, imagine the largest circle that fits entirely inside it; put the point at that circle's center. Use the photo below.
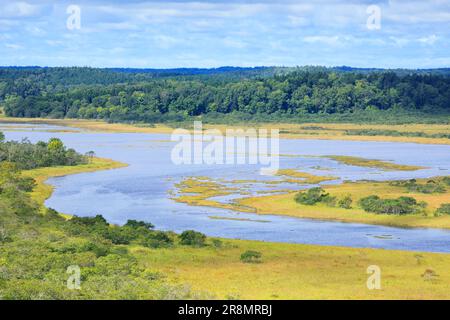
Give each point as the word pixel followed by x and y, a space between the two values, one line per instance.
pixel 255 94
pixel 26 155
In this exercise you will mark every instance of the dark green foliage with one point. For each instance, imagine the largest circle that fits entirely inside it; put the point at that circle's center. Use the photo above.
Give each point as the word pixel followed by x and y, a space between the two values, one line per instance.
pixel 431 186
pixel 346 202
pixel 394 133
pixel 157 239
pixel 446 180
pixel 30 156
pixel 399 206
pixel 217 243
pixel 139 224
pixel 313 196
pixel 443 209
pixel 251 256
pixel 192 238
pixel 266 94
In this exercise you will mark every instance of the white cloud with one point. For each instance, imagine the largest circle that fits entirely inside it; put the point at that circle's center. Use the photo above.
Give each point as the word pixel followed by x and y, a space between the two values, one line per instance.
pixel 430 40
pixel 19 9
pixel 13 46
pixel 329 40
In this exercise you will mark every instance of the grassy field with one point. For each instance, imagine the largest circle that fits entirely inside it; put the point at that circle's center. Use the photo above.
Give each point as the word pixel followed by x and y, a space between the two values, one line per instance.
pixel 325 131
pixel 287 271
pixel 371 163
pixel 290 271
pixel 285 204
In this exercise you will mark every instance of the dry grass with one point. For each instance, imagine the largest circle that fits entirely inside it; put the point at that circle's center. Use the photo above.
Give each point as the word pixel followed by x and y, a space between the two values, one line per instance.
pixel 285 204
pixel 371 163
pixel 328 131
pixel 290 271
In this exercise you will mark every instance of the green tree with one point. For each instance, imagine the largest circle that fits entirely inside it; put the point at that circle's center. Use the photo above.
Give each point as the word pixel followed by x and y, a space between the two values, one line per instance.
pixel 192 238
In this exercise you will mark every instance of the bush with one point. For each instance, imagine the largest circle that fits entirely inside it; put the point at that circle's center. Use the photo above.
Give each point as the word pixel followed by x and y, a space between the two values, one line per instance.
pixel 157 239
pixel 192 238
pixel 251 256
pixel 443 209
pixel 446 180
pixel 429 187
pixel 313 196
pixel 346 202
pixel 402 205
pixel 139 224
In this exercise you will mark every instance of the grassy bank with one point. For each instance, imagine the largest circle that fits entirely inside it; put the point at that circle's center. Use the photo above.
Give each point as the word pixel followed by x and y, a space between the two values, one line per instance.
pixel 371 163
pixel 290 271
pixel 287 271
pixel 285 204
pixel 413 133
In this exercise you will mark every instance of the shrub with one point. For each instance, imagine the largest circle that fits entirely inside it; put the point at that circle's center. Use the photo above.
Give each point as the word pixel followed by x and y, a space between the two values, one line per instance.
pixel 157 239
pixel 402 205
pixel 346 202
pixel 313 196
pixel 98 249
pixel 139 224
pixel 446 180
pixel 429 187
pixel 443 209
pixel 217 243
pixel 98 220
pixel 192 238
pixel 251 256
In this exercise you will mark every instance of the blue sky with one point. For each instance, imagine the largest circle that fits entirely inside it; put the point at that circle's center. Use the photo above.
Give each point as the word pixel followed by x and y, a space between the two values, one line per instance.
pixel 165 34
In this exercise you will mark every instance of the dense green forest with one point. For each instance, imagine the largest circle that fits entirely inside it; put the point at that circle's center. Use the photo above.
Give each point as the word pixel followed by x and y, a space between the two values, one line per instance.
pixel 293 94
pixel 26 155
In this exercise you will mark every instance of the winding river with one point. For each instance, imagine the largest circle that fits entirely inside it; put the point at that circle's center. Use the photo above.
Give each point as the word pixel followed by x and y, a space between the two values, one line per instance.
pixel 141 191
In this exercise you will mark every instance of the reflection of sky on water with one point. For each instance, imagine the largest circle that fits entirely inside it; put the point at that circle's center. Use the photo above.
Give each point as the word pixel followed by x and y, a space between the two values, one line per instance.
pixel 140 191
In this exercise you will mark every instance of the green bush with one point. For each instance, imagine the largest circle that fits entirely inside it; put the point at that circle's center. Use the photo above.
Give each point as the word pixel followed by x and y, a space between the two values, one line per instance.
pixel 157 239
pixel 443 209
pixel 431 186
pixel 446 180
pixel 139 224
pixel 400 206
pixel 192 238
pixel 346 202
pixel 313 196
pixel 251 256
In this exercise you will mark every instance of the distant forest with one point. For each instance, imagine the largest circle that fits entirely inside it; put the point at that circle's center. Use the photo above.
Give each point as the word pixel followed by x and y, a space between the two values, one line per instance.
pixel 267 93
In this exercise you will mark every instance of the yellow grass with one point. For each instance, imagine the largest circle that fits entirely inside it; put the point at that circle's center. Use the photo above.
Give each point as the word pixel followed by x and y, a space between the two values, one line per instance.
pixel 290 271
pixel 331 131
pixel 305 178
pixel 371 163
pixel 196 191
pixel 287 271
pixel 285 204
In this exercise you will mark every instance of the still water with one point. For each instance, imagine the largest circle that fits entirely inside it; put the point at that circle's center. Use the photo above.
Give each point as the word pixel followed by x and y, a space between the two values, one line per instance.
pixel 141 191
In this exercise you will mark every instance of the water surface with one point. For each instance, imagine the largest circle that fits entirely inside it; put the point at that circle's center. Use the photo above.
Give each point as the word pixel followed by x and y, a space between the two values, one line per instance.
pixel 140 191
